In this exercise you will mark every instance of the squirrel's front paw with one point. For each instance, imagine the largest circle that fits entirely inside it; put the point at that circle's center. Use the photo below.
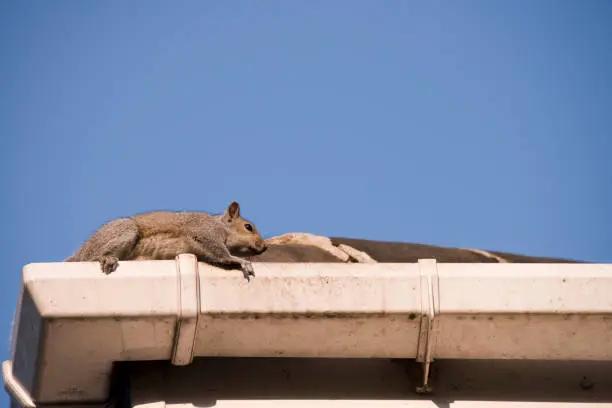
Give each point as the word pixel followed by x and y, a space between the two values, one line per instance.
pixel 247 269
pixel 108 263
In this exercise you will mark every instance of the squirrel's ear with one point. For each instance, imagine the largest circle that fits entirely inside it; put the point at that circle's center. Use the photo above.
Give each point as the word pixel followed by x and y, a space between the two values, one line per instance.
pixel 233 211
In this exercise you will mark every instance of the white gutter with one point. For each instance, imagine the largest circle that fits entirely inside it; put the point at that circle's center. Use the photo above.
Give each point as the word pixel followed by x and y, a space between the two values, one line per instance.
pixel 380 404
pixel 72 321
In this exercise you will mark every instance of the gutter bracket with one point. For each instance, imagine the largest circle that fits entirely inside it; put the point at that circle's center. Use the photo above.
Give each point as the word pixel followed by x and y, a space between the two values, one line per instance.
pixel 430 310
pixel 188 309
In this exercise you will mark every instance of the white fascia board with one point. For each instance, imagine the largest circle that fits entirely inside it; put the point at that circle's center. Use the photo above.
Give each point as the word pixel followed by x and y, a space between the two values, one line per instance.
pixel 73 321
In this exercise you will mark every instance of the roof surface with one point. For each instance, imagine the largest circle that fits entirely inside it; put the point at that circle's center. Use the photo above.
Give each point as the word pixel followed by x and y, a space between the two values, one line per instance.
pixel 303 247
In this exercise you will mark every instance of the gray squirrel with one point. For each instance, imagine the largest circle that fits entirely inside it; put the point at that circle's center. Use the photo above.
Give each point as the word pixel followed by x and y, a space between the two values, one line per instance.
pixel 218 240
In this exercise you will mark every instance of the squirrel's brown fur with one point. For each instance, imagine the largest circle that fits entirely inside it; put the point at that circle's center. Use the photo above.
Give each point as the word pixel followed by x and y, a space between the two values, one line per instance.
pixel 215 239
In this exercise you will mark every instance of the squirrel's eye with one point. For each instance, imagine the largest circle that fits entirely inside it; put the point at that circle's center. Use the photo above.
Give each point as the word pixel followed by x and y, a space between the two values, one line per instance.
pixel 248 227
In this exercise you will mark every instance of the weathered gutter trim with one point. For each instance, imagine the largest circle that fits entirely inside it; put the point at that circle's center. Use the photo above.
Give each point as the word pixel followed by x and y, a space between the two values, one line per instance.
pixel 73 322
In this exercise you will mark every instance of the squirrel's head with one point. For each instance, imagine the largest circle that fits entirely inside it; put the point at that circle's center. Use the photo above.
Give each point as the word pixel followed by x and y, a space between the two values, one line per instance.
pixel 243 239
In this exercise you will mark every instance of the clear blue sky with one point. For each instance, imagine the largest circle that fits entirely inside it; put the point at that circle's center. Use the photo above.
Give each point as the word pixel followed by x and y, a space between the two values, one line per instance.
pixel 480 124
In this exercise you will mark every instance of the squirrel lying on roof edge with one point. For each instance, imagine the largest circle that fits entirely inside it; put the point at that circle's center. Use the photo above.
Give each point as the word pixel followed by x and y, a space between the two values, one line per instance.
pixel 219 240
